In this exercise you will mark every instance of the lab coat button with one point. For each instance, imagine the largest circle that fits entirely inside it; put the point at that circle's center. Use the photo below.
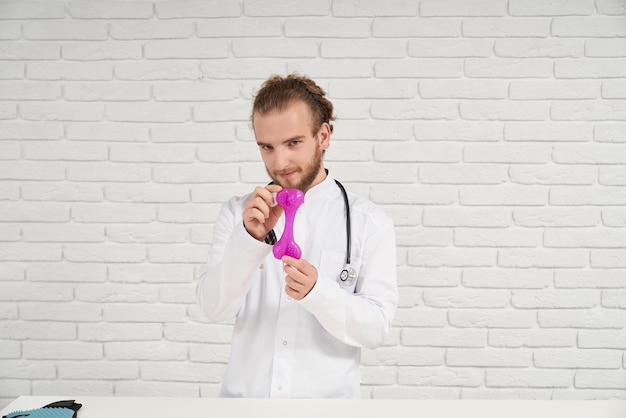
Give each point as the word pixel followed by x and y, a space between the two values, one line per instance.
pixel 284 342
pixel 280 388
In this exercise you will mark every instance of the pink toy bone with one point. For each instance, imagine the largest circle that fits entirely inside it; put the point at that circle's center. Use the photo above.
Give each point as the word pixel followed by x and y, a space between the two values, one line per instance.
pixel 290 200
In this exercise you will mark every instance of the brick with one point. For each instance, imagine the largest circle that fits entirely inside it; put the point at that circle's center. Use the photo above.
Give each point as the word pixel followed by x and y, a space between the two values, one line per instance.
pixel 604 48
pixel 105 332
pixel 476 217
pixel 491 237
pixel 196 9
pixel 153 313
pixel 66 272
pixel 614 217
pixel 509 153
pixel 589 26
pixel 608 258
pixel 488 357
pixel 68 312
pixel 414 109
pixel 539 174
pixel 465 89
pixel 104 253
pixel 57 350
pixel 557 217
pixel 422 68
pixel 62 233
pixel 145 350
pixel 553 89
pixel 508 68
pixel 12 70
pixel 584 238
pixel 10 30
pixel 437 376
pixel 147 233
pixel 496 110
pixel 547 131
pixel 100 370
pixel 148 112
pixel 380 89
pixel 67 192
pixel 589 279
pixel 151 193
pixel 110 132
pixel 181 372
pixel 236 28
pixel 29 91
pixel 417 152
pixel 593 68
pixel 182 253
pixel 469 298
pixel 510 378
pixel 367 48
pixel 42 151
pixel 185 49
pixel 538 48
pixel 221 111
pixel 543 258
pixel 151 273
pixel 604 339
pixel 534 338
pixel 398 27
pixel 610 132
pixel 577 358
pixel 116 293
pixel 506 28
pixel 587 195
pixel 102 51
pixel 274 48
pixel 554 8
pixel 110 10
pixel 504 195
pixel 589 111
pixel 461 8
pixel 417 237
pixel 29 51
pixel 454 130
pixel 65 30
pixel 151 153
pixel 22 369
pixel 580 318
pixel 459 47
pixel 455 257
pixel 114 172
pixel 66 71
pixel 425 277
pixel 554 299
pixel 462 174
pixel 195 173
pixel 160 70
pixel 196 92
pixel 333 28
pixel 34 212
pixel 596 379
pixel 158 29
pixel 372 8
pixel 113 212
pixel 196 132
pixel 614 299
pixel 50 387
pixel 33 10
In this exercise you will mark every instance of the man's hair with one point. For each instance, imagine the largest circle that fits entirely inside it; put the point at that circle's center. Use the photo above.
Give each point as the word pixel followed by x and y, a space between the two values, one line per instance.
pixel 278 92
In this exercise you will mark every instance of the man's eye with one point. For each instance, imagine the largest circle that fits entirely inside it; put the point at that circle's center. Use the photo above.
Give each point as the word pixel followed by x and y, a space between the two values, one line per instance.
pixel 266 147
pixel 294 142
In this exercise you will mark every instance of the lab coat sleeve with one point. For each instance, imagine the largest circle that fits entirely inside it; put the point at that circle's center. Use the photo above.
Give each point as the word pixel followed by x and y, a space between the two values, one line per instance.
pixel 233 259
pixel 361 319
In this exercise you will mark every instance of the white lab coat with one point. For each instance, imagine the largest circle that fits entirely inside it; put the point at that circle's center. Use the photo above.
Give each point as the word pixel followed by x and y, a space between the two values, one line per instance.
pixel 309 348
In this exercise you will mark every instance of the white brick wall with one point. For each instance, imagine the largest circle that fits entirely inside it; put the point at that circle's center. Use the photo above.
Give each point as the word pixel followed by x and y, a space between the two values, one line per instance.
pixel 492 131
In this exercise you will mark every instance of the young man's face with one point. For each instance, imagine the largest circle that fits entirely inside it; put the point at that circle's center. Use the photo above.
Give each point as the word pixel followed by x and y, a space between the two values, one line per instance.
pixel 291 153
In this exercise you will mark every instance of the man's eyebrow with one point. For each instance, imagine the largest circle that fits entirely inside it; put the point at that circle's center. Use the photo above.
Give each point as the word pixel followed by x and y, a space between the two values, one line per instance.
pixel 294 138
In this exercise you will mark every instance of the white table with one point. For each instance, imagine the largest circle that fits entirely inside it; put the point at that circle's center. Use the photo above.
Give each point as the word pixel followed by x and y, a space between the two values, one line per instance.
pixel 137 407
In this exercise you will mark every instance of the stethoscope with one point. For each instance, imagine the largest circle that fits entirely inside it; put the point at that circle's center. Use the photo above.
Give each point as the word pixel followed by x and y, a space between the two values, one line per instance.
pixel 348 274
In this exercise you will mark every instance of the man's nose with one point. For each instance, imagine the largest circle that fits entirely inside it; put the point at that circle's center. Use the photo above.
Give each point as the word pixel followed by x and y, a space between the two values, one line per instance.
pixel 281 159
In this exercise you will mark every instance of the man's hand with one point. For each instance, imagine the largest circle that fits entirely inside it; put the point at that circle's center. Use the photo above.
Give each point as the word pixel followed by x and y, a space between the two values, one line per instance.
pixel 300 277
pixel 261 214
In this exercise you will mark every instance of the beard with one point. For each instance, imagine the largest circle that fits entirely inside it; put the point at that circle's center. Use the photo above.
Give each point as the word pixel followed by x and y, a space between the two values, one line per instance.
pixel 309 173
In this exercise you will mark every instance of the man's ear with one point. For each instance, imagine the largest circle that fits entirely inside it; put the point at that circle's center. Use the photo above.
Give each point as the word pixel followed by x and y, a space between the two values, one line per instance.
pixel 324 135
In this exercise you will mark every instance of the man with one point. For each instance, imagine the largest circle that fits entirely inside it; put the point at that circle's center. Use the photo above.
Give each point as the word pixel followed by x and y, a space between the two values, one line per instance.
pixel 299 327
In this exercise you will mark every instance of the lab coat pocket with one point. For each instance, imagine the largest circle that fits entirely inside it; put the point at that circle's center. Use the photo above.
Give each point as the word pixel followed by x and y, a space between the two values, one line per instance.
pixel 332 265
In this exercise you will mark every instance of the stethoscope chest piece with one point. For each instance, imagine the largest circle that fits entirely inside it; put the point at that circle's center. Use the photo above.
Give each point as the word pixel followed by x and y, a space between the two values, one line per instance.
pixel 347 275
